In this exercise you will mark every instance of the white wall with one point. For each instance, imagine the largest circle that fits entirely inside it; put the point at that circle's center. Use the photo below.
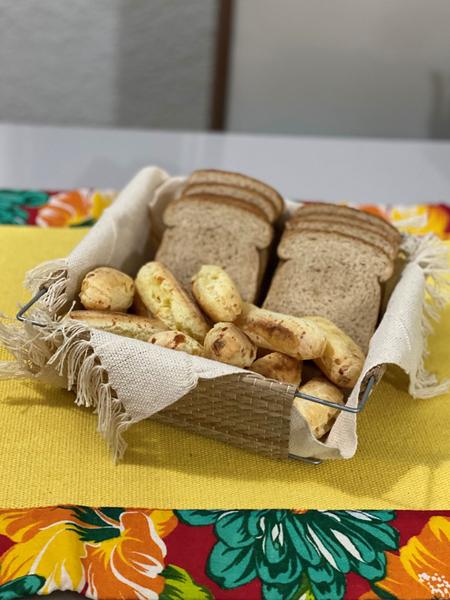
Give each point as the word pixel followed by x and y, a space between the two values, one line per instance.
pixel 144 63
pixel 342 67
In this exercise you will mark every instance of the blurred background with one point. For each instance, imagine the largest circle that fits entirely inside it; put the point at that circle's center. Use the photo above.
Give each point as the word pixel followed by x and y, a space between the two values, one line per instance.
pixel 342 68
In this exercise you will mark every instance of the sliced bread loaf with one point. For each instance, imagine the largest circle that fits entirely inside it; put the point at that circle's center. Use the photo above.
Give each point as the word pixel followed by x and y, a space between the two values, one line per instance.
pixel 368 235
pixel 323 208
pixel 231 214
pixel 345 219
pixel 239 180
pixel 232 191
pixel 350 249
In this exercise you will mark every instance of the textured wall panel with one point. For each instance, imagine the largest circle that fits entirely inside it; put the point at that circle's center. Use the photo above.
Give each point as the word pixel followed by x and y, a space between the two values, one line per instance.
pixel 139 63
pixel 342 67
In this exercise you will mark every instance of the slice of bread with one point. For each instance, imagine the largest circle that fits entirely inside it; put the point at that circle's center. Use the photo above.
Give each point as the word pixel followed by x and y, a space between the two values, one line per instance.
pixel 367 235
pixel 329 209
pixel 231 191
pixel 351 250
pixel 185 249
pixel 345 219
pixel 228 201
pixel 239 180
pixel 235 216
pixel 329 285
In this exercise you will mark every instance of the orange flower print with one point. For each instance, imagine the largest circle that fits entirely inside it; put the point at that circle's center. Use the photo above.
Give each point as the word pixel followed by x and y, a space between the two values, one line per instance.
pixel 46 545
pixel 106 553
pixel 130 565
pixel 420 220
pixel 73 208
pixel 379 211
pixel 421 571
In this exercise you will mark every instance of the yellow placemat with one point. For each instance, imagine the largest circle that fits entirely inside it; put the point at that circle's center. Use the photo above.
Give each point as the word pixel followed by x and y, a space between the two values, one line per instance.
pixel 50 452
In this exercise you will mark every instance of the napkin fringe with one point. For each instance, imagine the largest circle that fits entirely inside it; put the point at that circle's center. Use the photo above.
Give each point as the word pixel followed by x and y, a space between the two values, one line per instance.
pixel 65 346
pixel 76 360
pixel 432 256
pixel 53 274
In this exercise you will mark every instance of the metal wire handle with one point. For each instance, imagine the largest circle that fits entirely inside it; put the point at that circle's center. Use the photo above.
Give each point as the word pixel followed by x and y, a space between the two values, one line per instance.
pixel 351 409
pixel 20 316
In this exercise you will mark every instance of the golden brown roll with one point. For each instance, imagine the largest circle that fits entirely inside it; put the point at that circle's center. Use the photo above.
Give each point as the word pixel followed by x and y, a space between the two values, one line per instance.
pixel 216 294
pixel 132 326
pixel 226 343
pixel 281 367
pixel 177 340
pixel 342 360
pixel 296 337
pixel 105 288
pixel 166 299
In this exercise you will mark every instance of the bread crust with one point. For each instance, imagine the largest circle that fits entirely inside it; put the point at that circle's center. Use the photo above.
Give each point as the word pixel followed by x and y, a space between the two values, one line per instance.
pixel 365 234
pixel 248 195
pixel 346 219
pixel 219 176
pixel 319 207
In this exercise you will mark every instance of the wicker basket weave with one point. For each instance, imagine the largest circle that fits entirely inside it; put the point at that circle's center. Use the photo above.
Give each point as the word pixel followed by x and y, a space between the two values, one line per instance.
pixel 241 410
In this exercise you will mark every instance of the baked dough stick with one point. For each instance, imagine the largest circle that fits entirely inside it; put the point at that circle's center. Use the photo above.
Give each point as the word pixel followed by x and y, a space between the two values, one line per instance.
pixel 342 360
pixel 177 340
pixel 132 326
pixel 281 367
pixel 319 417
pixel 166 299
pixel 296 337
pixel 228 344
pixel 216 293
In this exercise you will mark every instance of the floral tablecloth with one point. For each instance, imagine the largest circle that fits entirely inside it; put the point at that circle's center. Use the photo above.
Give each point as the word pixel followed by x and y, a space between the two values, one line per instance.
pixel 82 207
pixel 109 553
pixel 113 553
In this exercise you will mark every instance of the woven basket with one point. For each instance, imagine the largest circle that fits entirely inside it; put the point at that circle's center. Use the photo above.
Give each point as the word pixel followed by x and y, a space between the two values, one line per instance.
pixel 128 380
pixel 240 410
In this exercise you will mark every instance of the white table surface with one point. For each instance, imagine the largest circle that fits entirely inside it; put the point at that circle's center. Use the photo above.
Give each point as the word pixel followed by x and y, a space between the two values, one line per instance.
pixel 332 169
pixel 357 170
